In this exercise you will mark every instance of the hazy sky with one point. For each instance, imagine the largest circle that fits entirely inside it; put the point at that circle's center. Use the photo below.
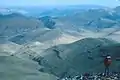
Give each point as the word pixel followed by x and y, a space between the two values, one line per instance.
pixel 110 3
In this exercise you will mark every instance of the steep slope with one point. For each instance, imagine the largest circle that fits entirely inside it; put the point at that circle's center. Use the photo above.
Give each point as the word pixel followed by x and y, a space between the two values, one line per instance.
pixel 13 68
pixel 72 57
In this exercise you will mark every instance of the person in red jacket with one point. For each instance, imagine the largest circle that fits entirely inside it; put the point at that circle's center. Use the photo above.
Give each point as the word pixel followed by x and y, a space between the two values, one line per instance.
pixel 107 63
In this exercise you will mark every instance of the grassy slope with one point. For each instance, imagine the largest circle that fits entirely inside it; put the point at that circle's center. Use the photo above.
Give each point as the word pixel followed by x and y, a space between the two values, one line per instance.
pixel 12 68
pixel 75 57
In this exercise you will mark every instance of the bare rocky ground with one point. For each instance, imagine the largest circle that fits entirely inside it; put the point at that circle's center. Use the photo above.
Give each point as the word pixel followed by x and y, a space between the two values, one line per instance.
pixel 94 76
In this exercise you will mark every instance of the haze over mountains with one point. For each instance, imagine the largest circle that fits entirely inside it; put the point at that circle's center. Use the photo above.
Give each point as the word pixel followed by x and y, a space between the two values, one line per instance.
pixel 55 42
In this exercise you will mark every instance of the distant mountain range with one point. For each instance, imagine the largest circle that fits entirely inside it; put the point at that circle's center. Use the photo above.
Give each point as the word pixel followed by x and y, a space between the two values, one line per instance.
pixel 86 18
pixel 73 17
pixel 43 10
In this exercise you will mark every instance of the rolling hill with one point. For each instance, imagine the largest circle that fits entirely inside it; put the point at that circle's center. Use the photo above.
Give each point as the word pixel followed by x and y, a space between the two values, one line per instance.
pixel 14 24
pixel 73 56
pixel 44 36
